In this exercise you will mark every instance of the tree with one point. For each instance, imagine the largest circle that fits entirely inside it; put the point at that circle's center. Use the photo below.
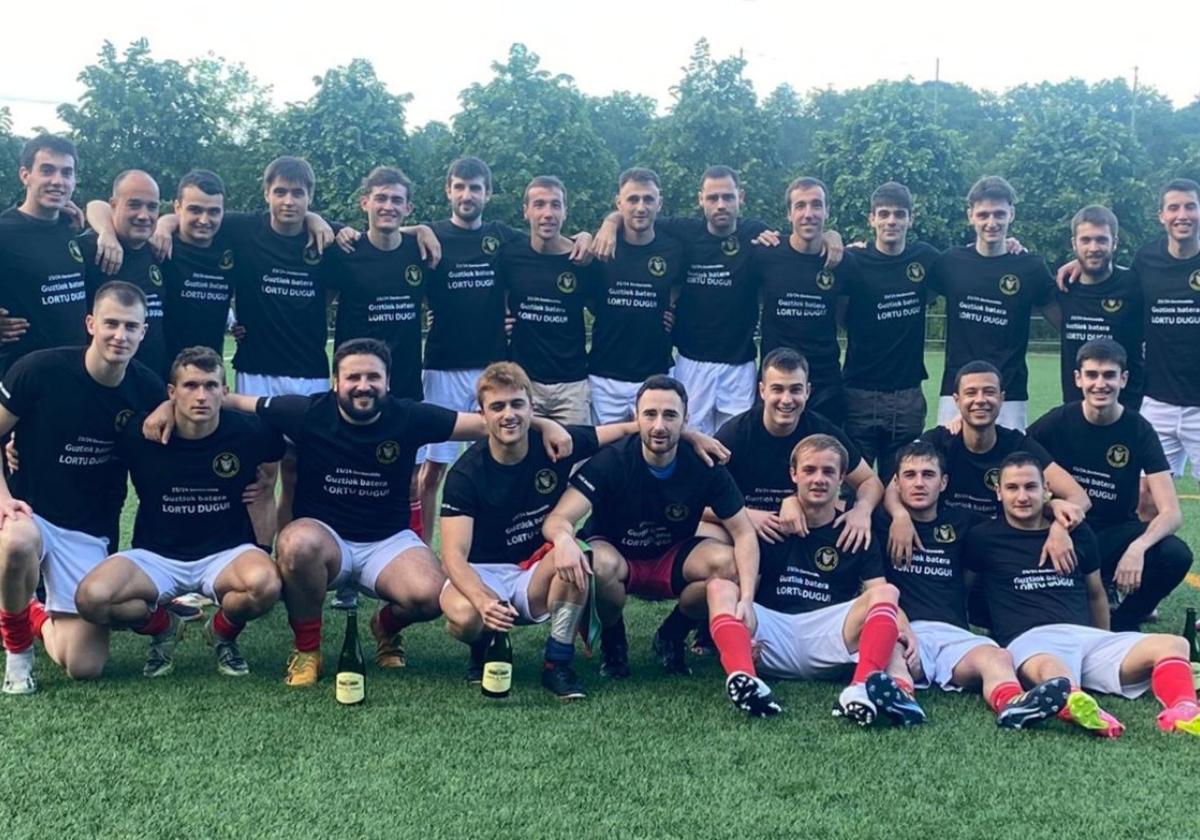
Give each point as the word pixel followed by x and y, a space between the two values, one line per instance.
pixel 10 158
pixel 526 122
pixel 431 148
pixel 623 121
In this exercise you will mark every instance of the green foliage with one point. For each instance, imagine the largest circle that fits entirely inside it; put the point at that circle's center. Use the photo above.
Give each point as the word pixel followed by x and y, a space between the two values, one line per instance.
pixel 623 121
pixel 10 157
pixel 431 148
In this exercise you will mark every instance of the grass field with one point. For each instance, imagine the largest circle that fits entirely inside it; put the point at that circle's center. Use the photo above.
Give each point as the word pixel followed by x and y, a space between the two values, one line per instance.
pixel 197 755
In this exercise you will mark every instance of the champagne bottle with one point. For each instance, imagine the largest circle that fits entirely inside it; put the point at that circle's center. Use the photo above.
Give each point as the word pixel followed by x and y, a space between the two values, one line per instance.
pixel 1189 633
pixel 497 666
pixel 350 685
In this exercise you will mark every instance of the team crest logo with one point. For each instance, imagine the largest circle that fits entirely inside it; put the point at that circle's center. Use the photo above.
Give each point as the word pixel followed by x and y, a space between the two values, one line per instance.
pixel 826 558
pixel 312 256
pixel 412 275
pixel 226 465
pixel 676 512
pixel 915 272
pixel 1117 455
pixel 156 275
pixel 387 452
pixel 1010 284
pixel 825 280
pixel 122 418
pixel 944 533
pixel 730 246
pixel 73 250
pixel 1194 281
pixel 1112 305
pixel 545 481
pixel 490 245
pixel 991 479
pixel 566 282
pixel 226 262
pixel 657 266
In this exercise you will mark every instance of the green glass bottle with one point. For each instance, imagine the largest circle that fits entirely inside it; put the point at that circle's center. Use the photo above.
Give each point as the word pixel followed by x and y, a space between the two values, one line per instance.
pixel 1189 633
pixel 497 666
pixel 350 685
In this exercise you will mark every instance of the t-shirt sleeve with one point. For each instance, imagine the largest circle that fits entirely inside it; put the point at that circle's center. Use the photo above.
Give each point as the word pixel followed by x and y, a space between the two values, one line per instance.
pixel 936 279
pixel 592 478
pixel 458 495
pixel 1150 448
pixel 1037 450
pixel 751 228
pixel 872 562
pixel 508 234
pixel 269 444
pixel 1041 430
pixel 584 443
pixel 21 390
pixel 727 434
pixel 432 423
pixel 1043 284
pixel 285 413
pixel 1087 550
pixel 938 436
pixel 723 496
pixel 129 435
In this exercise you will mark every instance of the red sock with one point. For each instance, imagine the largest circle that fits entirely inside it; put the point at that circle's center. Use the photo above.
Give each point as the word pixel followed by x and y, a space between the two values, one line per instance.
pixel 732 639
pixel 876 642
pixel 905 685
pixel 16 630
pixel 158 621
pixel 390 622
pixel 37 616
pixel 1001 694
pixel 307 633
pixel 226 628
pixel 1171 682
pixel 415 523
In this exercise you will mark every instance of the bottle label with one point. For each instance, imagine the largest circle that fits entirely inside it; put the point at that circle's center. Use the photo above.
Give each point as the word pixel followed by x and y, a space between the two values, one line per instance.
pixel 350 688
pixel 497 677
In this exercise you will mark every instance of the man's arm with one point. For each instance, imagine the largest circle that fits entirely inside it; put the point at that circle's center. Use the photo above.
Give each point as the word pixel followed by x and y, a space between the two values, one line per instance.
pixel 856 522
pixel 559 529
pixel 745 560
pixel 1052 313
pixel 10 508
pixel 1097 600
pixel 1166 521
pixel 457 533
pixel 1065 488
pixel 902 534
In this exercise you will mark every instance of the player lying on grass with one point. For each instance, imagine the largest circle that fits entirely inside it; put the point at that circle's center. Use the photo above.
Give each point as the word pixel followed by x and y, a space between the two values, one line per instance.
pixel 1056 625
pixel 818 609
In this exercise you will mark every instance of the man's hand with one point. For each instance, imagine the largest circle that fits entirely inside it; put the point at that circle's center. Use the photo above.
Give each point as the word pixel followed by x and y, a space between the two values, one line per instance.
pixel 1067 514
pixel 259 488
pixel 11 329
pixel 557 441
pixel 912 651
pixel 346 238
pixel 1128 575
pixel 710 450
pixel 10 454
pixel 75 216
pixel 1068 274
pixel 766 525
pixel 238 331
pixel 497 616
pixel 161 240
pixel 902 540
pixel 429 245
pixel 768 239
pixel 571 566
pixel 791 517
pixel 604 244
pixel 856 530
pixel 669 319
pixel 954 425
pixel 510 321
pixel 581 249
pixel 744 612
pixel 834 249
pixel 1059 549
pixel 160 423
pixel 320 234
pixel 109 253
pixel 1012 245
pixel 12 510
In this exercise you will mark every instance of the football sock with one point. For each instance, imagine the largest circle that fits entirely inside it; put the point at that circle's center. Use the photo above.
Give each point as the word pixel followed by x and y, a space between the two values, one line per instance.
pixel 904 685
pixel 157 622
pixel 225 628
pixel 414 519
pixel 1171 682
pixel 37 617
pixel 876 642
pixel 614 635
pixel 732 639
pixel 390 622
pixel 558 653
pixel 1001 694
pixel 307 634
pixel 564 617
pixel 16 630
pixel 676 626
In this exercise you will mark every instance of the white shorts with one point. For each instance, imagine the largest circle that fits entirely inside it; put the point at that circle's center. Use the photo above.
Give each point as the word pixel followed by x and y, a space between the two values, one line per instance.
pixel 1178 428
pixel 809 645
pixel 1093 656
pixel 716 391
pixel 1014 414
pixel 510 583
pixel 455 390
pixel 258 385
pixel 173 578
pixel 942 646
pixel 67 558
pixel 362 562
pixel 612 399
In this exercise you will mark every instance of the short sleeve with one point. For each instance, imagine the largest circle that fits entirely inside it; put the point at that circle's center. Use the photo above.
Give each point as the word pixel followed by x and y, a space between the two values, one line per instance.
pixel 584 443
pixel 458 495
pixel 285 413
pixel 723 496
pixel 1150 449
pixel 431 423
pixel 1037 450
pixel 1043 284
pixel 269 444
pixel 871 562
pixel 592 478
pixel 20 390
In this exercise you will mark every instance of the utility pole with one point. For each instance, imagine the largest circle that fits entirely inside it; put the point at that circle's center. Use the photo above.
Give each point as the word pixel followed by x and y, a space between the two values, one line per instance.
pixel 1133 106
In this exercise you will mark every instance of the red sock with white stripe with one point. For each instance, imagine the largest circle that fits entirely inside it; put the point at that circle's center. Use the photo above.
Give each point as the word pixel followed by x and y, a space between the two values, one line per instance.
pixel 1001 694
pixel 876 642
pixel 225 628
pixel 732 639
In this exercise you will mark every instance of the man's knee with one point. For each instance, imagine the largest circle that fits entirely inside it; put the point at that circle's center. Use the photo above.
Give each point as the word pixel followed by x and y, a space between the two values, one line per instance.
pixel 93 599
pixel 719 591
pixel 301 546
pixel 20 546
pixel 711 559
pixel 1174 557
pixel 607 564
pixel 885 593
pixel 263 585
pixel 462 620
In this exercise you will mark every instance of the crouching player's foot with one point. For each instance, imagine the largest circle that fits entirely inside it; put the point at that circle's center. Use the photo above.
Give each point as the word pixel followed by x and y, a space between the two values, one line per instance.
pixel 894 699
pixel 389 643
pixel 561 680
pixel 1083 711
pixel 221 635
pixel 18 631
pixel 1044 700
pixel 18 672
pixel 303 668
pixel 475 660
pixel 615 649
pixel 160 658
pixel 751 695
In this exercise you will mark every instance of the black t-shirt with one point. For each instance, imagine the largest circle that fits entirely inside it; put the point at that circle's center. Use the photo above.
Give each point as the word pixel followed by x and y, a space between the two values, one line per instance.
pixel 197 290
pixel 42 281
pixel 759 461
pixel 718 303
pixel 466 299
pixel 802 574
pixel 799 306
pixel 885 318
pixel 641 515
pixel 547 294
pixel 1107 461
pixel 932 586
pixel 633 290
pixel 66 435
pixel 509 502
pixel 354 478
pixel 140 268
pixel 190 491
pixel 1021 594
pixel 974 477
pixel 281 285
pixel 1171 288
pixel 379 296
pixel 988 304
pixel 1109 309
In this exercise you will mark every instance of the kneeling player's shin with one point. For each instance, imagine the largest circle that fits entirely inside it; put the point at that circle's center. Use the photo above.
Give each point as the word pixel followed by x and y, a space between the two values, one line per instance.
pixel 877 640
pixel 564 618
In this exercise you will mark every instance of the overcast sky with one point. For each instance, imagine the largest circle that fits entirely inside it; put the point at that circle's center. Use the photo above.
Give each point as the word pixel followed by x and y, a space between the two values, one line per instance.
pixel 435 49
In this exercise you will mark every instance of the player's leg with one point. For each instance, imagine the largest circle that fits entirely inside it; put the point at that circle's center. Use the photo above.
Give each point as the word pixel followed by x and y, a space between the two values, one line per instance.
pixel 735 387
pixel 463 622
pixel 1163 660
pixel 695 562
pixel 1166 565
pixel 416 511
pixel 541 594
pixel 1167 422
pixel 428 481
pixel 610 575
pixel 1056 651
pixel 406 576
pixel 20 557
pixel 245 587
pixel 871 629
pixel 79 647
pixel 1014 414
pixel 310 559
pixel 990 668
pixel 699 379
pixel 287 489
pixel 905 421
pixel 865 423
pixel 123 593
pixel 733 642
pixel 947 410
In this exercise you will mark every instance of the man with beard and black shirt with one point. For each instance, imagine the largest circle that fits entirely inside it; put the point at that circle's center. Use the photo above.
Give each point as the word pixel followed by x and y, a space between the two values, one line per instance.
pixel 1056 625
pixel 59 513
pixel 819 609
pixel 133 212
pixel 933 594
pixel 800 294
pixel 884 313
pixel 646 496
pixel 760 442
pixel 546 295
pixel 42 295
pixel 1106 447
pixel 990 296
pixel 192 532
pixel 635 291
